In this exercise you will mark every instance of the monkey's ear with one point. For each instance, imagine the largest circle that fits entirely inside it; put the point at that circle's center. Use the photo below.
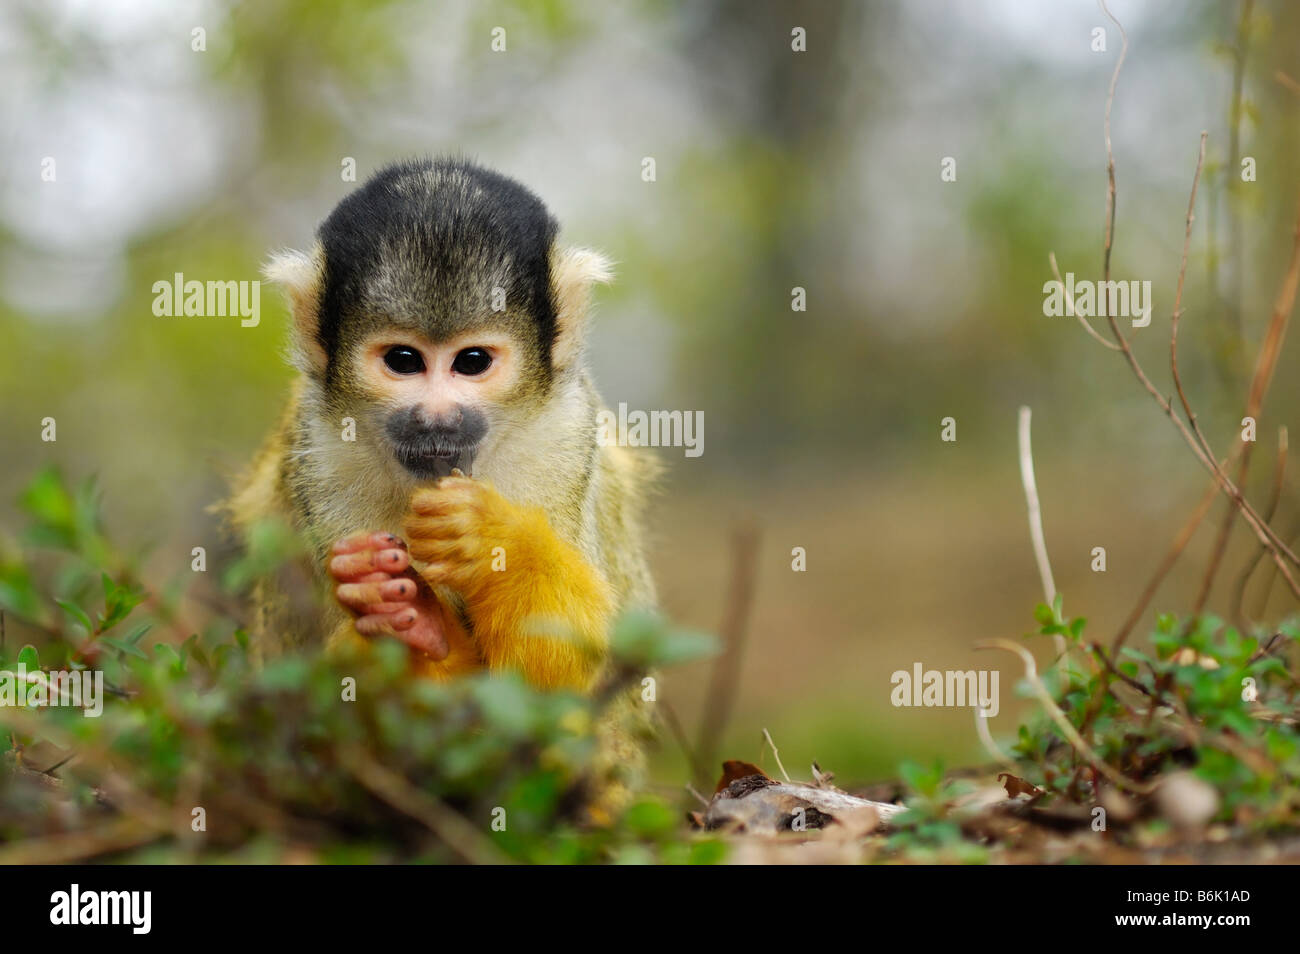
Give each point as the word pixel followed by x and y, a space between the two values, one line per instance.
pixel 573 272
pixel 301 275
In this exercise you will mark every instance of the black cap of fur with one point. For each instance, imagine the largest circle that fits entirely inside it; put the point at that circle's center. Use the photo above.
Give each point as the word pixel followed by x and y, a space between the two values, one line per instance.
pixel 453 229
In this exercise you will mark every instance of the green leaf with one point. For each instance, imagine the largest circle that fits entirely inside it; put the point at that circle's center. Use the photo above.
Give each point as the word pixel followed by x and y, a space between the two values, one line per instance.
pixel 77 613
pixel 507 704
pixel 129 649
pixel 646 640
pixel 1240 723
pixel 17 591
pixel 1166 644
pixel 289 672
pixel 711 852
pixel 923 779
pixel 119 601
pixel 650 819
pixel 168 653
pixel 138 633
pixel 47 500
pixel 28 658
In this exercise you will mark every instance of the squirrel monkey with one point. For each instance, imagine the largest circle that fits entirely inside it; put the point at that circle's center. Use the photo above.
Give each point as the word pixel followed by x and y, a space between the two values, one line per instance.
pixel 439 453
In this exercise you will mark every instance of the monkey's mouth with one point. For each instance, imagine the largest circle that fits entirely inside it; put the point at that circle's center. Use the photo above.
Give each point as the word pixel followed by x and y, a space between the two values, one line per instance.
pixel 430 462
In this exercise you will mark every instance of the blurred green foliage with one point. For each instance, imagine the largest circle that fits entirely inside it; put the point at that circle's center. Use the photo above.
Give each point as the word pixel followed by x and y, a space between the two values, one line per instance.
pixel 1226 705
pixel 304 757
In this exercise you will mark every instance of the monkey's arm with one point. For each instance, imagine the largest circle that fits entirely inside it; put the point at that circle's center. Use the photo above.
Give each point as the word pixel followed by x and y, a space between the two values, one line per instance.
pixel 534 604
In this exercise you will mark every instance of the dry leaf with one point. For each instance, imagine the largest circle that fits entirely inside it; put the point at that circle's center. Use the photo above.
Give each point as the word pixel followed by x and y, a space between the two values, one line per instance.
pixel 1018 786
pixel 734 770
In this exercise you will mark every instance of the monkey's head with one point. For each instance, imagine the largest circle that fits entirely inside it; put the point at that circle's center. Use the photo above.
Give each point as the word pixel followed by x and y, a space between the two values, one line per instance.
pixel 436 309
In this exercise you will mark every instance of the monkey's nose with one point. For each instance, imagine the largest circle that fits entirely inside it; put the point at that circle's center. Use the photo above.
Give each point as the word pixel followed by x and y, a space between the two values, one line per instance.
pixel 441 416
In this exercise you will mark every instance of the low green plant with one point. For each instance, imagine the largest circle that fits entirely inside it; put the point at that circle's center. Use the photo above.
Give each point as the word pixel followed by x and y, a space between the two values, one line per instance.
pixel 201 755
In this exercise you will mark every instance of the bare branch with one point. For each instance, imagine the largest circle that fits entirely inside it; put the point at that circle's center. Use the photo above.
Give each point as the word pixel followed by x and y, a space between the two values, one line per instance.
pixel 452 828
pixel 1178 295
pixel 1110 155
pixel 734 631
pixel 1275 498
pixel 1035 514
pixel 1266 364
pixel 1287 82
pixel 1278 548
pixel 1162 570
pixel 698 771
pixel 1069 302
pixel 987 740
pixel 69 847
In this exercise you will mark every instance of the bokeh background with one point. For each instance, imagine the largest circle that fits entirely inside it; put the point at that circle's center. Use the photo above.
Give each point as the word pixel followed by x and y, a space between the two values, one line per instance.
pixel 775 169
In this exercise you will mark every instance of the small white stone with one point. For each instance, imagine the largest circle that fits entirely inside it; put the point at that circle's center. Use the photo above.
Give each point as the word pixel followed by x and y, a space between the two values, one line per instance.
pixel 1187 801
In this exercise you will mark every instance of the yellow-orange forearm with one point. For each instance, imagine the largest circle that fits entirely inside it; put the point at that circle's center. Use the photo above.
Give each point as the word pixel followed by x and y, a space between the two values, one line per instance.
pixel 535 605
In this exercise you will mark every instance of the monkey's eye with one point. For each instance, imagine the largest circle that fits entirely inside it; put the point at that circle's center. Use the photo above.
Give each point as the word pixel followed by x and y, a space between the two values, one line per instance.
pixel 403 360
pixel 471 361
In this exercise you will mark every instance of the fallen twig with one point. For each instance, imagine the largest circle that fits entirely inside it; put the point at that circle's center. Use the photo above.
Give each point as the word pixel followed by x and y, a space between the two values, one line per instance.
pixel 776 755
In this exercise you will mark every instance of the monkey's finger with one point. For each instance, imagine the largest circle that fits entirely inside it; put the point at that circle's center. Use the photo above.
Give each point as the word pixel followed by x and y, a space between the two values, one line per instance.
pixel 349 566
pixel 386 624
pixel 361 596
pixel 390 610
pixel 448 493
pixel 364 606
pixel 451 520
pixel 434 545
pixel 439 573
pixel 422 631
pixel 430 503
pixel 360 541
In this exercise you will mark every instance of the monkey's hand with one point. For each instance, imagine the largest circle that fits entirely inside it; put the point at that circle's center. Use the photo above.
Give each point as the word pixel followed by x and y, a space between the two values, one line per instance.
pixel 535 605
pixel 374 581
